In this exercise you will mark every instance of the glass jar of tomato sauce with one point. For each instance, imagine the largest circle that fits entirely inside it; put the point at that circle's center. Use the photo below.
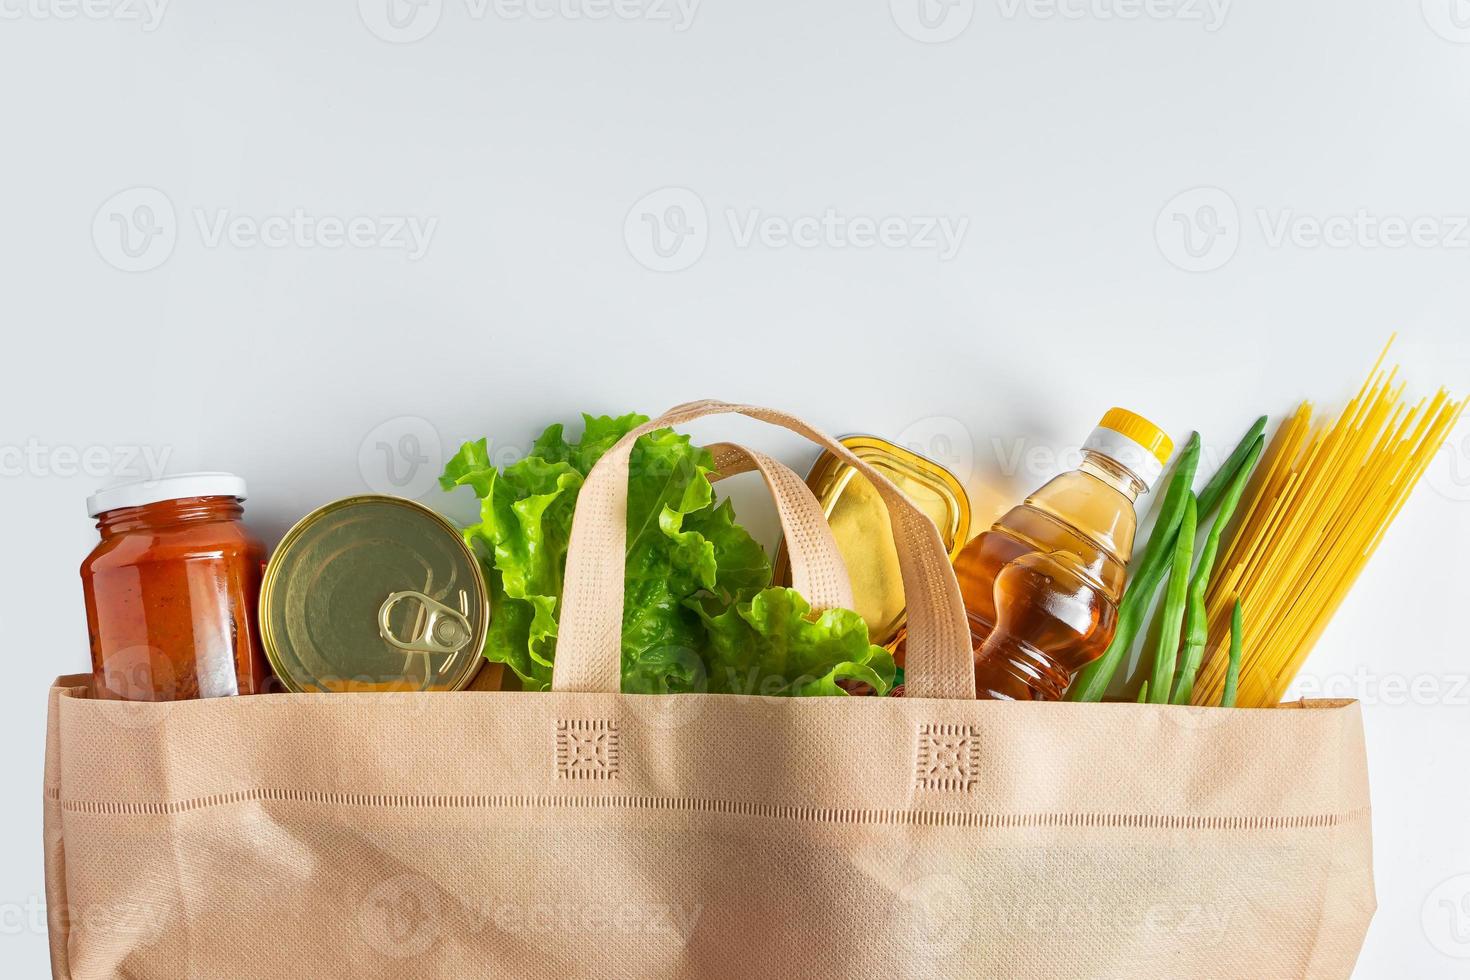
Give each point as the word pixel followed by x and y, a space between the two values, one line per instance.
pixel 171 591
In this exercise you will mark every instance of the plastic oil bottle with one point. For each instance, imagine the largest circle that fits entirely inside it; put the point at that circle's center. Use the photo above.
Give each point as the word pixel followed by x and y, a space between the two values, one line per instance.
pixel 1042 586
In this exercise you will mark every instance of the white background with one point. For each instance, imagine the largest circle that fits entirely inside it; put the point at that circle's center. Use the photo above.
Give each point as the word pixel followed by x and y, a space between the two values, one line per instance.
pixel 1062 139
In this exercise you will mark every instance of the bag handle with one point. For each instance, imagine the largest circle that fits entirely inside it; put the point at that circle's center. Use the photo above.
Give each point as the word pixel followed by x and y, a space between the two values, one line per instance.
pixel 940 660
pixel 817 569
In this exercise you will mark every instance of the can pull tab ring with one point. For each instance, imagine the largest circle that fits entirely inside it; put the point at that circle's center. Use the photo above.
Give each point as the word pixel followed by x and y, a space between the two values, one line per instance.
pixel 437 628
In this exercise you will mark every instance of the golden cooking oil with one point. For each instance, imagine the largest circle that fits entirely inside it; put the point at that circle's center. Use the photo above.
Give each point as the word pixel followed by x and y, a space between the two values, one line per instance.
pixel 1041 587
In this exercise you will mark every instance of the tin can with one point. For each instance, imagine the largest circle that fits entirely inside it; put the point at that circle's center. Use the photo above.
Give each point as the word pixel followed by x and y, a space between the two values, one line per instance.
pixel 859 522
pixel 374 593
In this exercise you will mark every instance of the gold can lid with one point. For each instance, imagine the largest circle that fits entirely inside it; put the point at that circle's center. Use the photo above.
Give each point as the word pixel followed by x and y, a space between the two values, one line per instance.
pixel 374 593
pixel 859 523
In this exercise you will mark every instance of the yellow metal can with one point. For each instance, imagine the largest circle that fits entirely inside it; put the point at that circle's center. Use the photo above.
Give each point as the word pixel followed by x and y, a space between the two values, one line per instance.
pixel 859 522
pixel 374 593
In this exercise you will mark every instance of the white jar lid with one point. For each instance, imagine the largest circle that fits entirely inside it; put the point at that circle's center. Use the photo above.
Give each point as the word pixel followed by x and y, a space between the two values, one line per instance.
pixel 141 492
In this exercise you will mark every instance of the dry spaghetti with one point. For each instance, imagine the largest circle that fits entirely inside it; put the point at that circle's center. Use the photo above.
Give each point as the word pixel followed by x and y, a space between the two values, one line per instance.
pixel 1316 510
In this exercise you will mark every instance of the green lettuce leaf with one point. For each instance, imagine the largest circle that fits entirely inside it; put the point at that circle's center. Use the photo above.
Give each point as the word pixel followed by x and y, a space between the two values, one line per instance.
pixel 698 613
pixel 772 646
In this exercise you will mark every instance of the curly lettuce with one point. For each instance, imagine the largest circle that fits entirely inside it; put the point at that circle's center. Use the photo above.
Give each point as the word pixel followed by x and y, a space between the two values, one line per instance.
pixel 699 611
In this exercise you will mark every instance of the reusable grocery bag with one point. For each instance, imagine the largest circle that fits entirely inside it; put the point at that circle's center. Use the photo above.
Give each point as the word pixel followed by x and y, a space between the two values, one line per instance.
pixel 586 833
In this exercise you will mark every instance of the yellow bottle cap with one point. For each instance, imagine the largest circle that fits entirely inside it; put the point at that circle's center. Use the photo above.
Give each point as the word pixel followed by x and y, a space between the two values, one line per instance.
pixel 1133 442
pixel 1152 438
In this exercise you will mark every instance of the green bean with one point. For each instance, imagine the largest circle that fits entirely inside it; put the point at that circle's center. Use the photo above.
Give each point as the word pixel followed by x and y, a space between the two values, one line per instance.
pixel 1232 673
pixel 1196 627
pixel 1214 491
pixel 1171 613
pixel 1093 680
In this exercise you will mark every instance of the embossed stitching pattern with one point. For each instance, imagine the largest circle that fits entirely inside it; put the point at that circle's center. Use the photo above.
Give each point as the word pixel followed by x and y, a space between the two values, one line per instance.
pixel 587 749
pixel 689 804
pixel 948 757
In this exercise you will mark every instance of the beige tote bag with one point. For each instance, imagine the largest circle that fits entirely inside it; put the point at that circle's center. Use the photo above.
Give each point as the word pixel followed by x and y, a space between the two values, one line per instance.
pixel 586 833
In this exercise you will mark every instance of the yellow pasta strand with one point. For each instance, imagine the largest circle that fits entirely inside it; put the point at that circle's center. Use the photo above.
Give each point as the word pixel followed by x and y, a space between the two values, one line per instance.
pixel 1314 513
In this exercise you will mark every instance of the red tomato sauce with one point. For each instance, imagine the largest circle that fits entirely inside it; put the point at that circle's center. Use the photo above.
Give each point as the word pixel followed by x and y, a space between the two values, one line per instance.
pixel 171 594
